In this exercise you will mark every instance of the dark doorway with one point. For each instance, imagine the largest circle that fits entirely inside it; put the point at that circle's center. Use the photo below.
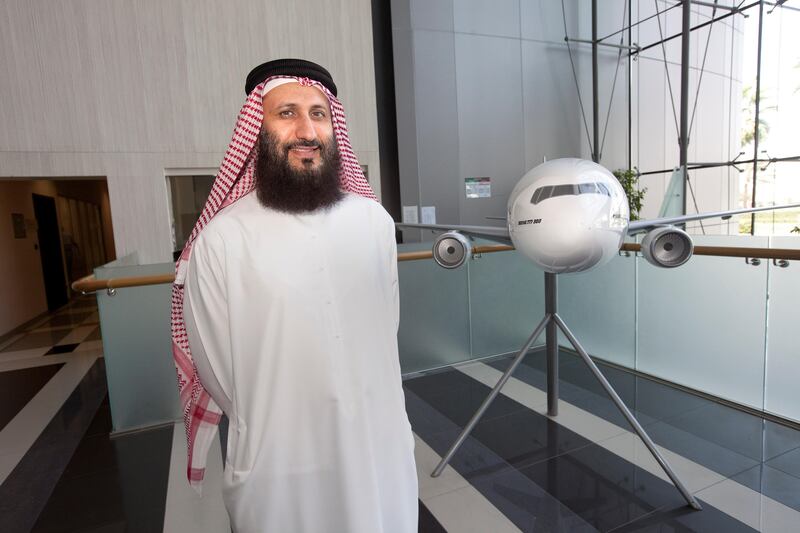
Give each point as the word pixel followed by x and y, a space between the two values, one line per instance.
pixel 55 284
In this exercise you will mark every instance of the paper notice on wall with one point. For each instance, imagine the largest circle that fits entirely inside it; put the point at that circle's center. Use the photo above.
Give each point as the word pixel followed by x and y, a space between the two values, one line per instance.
pixel 478 187
pixel 429 214
pixel 410 214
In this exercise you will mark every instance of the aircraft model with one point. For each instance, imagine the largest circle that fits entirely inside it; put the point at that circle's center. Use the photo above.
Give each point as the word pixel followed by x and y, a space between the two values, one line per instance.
pixel 571 215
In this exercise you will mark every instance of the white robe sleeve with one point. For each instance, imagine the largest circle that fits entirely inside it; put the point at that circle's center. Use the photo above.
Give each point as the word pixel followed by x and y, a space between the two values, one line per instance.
pixel 395 279
pixel 205 311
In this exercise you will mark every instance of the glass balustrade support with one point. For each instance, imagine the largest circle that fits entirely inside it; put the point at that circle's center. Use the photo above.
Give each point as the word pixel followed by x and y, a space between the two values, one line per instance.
pixel 137 346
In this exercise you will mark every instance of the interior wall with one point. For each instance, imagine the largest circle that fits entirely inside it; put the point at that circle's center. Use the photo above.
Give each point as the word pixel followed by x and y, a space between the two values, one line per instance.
pixel 483 89
pixel 128 89
pixel 21 278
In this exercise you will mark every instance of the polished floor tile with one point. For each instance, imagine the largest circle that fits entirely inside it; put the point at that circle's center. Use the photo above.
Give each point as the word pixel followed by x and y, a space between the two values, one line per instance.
pixel 729 428
pixel 779 439
pixel 458 396
pixel 774 483
pixel 512 458
pixel 750 507
pixel 603 489
pixel 459 511
pixel 94 335
pixel 526 437
pixel 537 377
pixel 125 478
pixel 528 505
pixel 25 491
pixel 428 522
pixel 700 450
pixel 573 382
pixel 524 503
pixel 788 463
pixel 723 439
pixel 68 318
pixel 17 387
pixel 684 519
pixel 10 339
pixel 648 401
pixel 62 348
pixel 38 339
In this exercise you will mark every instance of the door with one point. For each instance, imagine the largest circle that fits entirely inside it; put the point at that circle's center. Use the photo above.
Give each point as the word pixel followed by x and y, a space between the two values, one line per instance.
pixel 55 284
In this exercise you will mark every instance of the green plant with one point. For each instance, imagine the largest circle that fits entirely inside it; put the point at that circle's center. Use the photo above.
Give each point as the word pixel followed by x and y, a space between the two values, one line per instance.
pixel 796 229
pixel 629 179
pixel 749 115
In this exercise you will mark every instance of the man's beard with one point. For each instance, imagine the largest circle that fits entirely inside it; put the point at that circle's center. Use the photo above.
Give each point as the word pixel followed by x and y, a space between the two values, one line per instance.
pixel 280 186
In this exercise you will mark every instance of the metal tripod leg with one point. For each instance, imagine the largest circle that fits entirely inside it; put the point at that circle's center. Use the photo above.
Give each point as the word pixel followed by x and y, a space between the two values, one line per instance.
pixel 551 346
pixel 489 399
pixel 626 412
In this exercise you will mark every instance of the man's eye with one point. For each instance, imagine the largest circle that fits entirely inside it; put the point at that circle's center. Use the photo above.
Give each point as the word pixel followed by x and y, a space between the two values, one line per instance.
pixel 318 114
pixel 286 114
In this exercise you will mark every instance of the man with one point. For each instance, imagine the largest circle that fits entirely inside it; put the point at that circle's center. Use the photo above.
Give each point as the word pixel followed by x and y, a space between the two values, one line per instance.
pixel 288 288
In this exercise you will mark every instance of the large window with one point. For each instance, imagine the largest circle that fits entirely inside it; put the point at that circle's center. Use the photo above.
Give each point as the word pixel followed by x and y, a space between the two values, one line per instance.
pixel 777 182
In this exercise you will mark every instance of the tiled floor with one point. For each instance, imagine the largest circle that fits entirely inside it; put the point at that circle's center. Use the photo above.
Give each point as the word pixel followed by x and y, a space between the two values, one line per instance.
pixel 520 470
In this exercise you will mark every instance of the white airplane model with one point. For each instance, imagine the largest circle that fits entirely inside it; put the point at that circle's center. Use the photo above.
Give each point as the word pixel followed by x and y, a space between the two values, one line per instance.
pixel 571 215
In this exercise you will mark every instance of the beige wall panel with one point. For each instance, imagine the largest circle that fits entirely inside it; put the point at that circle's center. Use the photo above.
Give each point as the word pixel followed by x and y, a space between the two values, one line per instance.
pixel 21 280
pixel 127 89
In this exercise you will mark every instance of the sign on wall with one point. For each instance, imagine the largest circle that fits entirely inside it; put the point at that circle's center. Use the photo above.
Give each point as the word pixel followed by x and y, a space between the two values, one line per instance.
pixel 18 222
pixel 478 187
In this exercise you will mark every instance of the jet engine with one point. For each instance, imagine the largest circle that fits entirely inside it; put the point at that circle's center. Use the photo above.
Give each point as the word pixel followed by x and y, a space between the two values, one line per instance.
pixel 667 247
pixel 451 249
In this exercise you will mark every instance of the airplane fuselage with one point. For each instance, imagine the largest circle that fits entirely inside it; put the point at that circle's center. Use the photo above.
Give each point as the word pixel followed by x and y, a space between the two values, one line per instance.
pixel 568 215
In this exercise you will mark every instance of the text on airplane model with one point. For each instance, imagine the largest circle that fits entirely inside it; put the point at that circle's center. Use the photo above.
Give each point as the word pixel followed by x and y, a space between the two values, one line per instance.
pixel 572 215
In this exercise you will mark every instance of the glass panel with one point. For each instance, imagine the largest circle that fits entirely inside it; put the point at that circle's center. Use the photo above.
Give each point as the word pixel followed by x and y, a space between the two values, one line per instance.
pixel 506 302
pixel 703 324
pixel 136 342
pixel 599 307
pixel 434 313
pixel 783 338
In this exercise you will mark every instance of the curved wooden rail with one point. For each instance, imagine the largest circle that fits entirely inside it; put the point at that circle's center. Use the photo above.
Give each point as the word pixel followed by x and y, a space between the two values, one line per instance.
pixel 90 284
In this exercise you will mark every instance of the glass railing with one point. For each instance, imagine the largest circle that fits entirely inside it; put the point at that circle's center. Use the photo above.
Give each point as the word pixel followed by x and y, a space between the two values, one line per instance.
pixel 721 325
pixel 135 326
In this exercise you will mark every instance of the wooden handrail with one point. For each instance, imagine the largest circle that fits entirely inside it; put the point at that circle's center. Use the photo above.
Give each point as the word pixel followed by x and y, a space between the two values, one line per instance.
pixel 90 284
pixel 732 251
pixel 428 254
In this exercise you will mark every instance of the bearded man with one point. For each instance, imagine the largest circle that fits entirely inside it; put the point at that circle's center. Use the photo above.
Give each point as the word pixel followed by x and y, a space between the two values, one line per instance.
pixel 285 315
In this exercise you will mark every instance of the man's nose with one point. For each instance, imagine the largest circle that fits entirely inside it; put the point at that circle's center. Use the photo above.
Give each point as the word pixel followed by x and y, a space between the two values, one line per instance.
pixel 305 129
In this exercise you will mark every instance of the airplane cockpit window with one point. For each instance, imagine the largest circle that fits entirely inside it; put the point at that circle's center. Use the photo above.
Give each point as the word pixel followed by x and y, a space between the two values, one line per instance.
pixel 551 191
pixel 564 190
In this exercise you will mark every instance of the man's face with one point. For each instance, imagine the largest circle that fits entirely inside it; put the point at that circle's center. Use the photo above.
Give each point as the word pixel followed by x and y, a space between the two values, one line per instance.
pixel 299 119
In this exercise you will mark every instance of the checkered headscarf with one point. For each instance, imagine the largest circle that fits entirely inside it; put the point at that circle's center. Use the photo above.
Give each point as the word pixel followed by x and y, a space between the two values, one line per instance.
pixel 234 180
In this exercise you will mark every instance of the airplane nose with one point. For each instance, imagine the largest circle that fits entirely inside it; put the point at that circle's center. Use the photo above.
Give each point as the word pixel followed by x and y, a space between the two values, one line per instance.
pixel 557 246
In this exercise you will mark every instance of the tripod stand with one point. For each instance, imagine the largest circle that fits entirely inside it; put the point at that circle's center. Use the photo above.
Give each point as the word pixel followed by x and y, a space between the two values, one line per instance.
pixel 553 322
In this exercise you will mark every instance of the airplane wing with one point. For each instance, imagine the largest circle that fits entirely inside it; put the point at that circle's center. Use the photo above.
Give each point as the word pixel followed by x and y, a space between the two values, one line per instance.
pixel 485 232
pixel 644 225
